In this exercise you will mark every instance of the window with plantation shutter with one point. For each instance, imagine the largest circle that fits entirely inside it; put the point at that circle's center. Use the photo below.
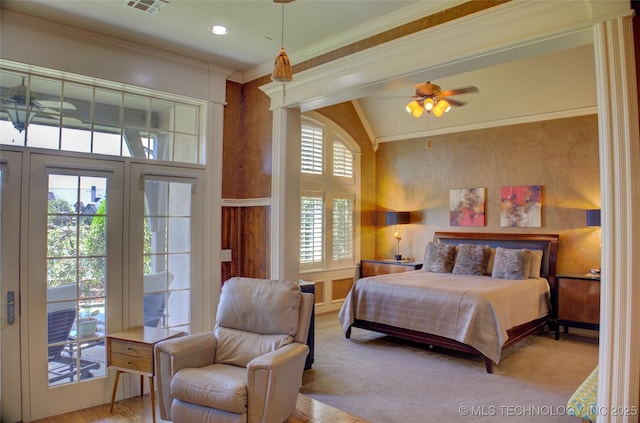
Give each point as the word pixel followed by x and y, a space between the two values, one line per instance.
pixel 312 149
pixel 342 228
pixel 342 160
pixel 329 192
pixel 311 229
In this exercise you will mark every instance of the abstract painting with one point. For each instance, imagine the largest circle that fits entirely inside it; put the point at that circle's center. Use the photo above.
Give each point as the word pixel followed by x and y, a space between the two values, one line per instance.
pixel 521 206
pixel 466 207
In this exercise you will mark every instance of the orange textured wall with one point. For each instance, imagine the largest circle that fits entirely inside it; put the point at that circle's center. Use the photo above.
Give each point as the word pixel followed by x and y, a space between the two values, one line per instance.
pixel 560 155
pixel 232 140
pixel 255 150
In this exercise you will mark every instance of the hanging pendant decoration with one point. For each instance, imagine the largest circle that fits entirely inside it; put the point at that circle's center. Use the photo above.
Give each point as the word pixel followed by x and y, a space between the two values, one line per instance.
pixel 282 65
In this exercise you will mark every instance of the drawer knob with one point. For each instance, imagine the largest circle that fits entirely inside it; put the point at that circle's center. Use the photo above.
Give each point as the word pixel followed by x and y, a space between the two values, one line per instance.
pixel 129 349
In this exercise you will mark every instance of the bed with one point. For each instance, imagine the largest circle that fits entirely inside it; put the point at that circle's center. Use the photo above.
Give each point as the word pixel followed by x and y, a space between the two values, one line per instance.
pixel 455 302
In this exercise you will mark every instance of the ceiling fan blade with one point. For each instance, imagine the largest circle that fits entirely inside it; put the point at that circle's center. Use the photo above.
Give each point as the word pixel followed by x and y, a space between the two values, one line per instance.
pixel 391 97
pixel 457 91
pixel 455 102
pixel 57 105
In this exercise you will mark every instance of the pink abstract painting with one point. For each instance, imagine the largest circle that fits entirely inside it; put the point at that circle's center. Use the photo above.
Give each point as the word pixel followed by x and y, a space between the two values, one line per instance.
pixel 466 207
pixel 521 206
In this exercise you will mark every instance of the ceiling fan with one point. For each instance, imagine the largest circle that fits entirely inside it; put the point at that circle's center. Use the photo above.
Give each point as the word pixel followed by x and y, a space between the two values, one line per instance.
pixel 19 99
pixel 431 98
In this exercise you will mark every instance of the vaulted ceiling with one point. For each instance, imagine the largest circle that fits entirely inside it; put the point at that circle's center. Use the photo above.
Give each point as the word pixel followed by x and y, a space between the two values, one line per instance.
pixel 556 84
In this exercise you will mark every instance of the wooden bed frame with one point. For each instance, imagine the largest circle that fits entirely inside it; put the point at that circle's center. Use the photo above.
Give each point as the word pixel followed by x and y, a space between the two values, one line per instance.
pixel 548 243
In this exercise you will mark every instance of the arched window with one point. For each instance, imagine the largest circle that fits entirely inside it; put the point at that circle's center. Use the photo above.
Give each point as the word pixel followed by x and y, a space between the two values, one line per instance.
pixel 330 192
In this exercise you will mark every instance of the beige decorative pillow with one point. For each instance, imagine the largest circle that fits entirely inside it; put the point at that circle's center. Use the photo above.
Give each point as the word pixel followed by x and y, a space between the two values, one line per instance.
pixel 439 258
pixel 511 263
pixel 472 259
pixel 536 264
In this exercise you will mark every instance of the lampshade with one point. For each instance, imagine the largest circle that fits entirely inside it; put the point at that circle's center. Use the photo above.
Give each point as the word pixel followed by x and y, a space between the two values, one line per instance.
pixel 428 104
pixel 397 218
pixel 441 107
pixel 414 108
pixel 593 217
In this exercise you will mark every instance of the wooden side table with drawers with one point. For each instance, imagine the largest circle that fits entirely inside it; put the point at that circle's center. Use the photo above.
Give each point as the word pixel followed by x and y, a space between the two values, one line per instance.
pixel 383 267
pixel 577 302
pixel 131 351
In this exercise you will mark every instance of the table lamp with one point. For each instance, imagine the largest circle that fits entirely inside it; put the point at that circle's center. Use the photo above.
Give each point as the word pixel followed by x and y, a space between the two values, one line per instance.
pixel 593 219
pixel 397 218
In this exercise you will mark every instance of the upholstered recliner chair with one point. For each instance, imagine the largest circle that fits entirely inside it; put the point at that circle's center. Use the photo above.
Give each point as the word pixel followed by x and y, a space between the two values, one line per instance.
pixel 249 369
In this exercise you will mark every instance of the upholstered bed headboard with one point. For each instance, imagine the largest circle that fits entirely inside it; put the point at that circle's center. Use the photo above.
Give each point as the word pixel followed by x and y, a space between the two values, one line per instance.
pixel 548 243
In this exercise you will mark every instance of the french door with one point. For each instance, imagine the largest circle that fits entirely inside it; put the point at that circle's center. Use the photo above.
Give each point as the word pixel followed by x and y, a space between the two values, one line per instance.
pixel 111 244
pixel 75 279
pixel 10 387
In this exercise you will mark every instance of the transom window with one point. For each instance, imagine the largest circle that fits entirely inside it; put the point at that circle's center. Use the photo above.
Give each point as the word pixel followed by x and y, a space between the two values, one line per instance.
pixel 72 115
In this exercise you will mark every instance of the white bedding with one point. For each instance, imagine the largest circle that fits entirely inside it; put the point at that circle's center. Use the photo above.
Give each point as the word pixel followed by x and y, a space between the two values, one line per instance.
pixel 474 310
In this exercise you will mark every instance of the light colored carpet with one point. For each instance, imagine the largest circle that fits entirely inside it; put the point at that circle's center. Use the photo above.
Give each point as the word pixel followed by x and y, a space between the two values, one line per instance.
pixel 383 379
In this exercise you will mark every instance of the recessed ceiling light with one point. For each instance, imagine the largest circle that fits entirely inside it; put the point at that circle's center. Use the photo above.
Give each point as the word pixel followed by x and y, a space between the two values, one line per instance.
pixel 219 30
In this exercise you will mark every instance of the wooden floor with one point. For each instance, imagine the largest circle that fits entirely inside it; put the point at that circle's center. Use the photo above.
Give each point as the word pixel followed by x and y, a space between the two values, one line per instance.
pixel 138 409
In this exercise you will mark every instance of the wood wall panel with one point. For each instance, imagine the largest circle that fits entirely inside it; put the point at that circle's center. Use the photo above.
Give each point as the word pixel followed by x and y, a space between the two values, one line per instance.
pixel 245 231
pixel 254 241
pixel 229 234
pixel 319 298
pixel 340 288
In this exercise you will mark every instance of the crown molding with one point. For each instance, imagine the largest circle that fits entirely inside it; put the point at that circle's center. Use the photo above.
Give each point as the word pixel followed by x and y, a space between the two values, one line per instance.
pixel 584 111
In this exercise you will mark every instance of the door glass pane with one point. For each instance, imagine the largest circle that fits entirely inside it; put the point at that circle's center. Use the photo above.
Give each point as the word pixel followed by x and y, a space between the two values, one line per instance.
pixel 167 254
pixel 76 278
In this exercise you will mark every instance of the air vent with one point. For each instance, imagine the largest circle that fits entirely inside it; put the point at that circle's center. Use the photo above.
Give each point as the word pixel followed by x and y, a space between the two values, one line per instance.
pixel 147 6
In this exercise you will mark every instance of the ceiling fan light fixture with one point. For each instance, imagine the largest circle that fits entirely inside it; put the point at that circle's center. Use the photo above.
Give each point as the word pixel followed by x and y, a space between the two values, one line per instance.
pixel 431 98
pixel 415 108
pixel 428 104
pixel 441 107
pixel 437 111
pixel 445 105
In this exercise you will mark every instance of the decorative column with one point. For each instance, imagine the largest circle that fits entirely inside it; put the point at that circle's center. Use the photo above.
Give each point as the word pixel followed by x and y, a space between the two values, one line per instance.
pixel 285 195
pixel 619 360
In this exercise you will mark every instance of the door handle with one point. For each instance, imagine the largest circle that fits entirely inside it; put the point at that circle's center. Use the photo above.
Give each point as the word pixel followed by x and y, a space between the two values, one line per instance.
pixel 11 307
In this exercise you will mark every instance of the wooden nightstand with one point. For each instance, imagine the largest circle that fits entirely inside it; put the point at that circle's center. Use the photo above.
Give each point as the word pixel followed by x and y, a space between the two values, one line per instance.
pixel 577 302
pixel 131 351
pixel 383 267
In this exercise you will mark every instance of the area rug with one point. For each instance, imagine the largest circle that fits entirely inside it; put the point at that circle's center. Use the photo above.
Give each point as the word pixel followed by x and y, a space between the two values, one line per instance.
pixel 383 379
